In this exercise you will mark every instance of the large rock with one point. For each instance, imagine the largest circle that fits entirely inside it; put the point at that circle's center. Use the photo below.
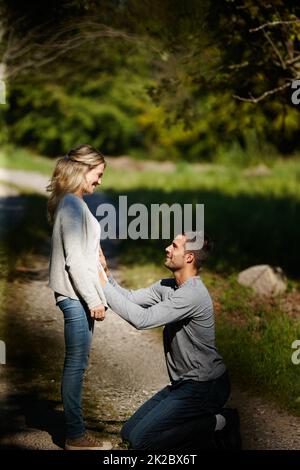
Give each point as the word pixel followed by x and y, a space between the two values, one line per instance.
pixel 264 279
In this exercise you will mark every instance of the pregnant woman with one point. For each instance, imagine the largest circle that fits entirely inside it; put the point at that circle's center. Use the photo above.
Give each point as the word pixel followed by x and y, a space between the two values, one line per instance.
pixel 74 267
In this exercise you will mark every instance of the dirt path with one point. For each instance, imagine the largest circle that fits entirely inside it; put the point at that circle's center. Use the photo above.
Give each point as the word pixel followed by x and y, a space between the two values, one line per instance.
pixel 126 367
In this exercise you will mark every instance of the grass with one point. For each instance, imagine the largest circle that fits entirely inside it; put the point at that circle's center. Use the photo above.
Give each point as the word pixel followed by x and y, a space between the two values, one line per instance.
pixel 21 159
pixel 283 180
pixel 255 337
pixel 253 220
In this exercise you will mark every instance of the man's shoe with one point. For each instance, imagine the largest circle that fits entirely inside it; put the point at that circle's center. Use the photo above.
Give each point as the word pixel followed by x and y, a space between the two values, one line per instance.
pixel 87 442
pixel 229 438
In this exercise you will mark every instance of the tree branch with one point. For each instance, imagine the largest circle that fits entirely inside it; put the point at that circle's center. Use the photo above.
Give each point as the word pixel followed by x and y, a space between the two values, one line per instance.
pixel 238 66
pixel 293 60
pixel 254 100
pixel 271 24
pixel 267 36
pixel 34 50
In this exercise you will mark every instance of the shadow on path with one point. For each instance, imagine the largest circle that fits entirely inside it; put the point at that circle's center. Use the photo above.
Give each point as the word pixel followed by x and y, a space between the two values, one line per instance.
pixel 27 413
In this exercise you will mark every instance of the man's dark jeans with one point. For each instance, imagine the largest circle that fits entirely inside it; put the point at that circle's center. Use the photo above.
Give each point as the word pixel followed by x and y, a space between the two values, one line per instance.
pixel 179 417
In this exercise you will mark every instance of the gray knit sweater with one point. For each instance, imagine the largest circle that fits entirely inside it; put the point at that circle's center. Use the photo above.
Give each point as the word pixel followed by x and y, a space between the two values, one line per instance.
pixel 74 259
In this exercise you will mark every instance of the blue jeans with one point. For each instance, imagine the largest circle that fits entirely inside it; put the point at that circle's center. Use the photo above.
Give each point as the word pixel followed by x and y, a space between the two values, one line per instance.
pixel 78 331
pixel 179 417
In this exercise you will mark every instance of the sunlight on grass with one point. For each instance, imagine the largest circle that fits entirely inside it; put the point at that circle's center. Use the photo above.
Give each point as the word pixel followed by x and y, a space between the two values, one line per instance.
pixel 143 276
pixel 21 159
pixel 283 179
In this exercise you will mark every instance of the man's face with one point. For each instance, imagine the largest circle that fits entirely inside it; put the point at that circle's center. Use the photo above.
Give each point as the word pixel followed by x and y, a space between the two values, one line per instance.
pixel 175 253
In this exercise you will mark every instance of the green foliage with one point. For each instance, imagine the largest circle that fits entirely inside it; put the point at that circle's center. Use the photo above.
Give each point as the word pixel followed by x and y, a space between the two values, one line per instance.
pixel 3 126
pixel 159 82
pixel 52 119
pixel 118 117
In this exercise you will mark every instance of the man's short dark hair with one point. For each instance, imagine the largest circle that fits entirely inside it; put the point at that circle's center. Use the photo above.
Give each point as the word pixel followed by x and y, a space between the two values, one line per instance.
pixel 200 256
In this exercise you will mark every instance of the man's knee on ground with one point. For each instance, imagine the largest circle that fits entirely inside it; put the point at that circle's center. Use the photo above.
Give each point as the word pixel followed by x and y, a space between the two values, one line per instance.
pixel 143 440
pixel 125 431
pixel 137 441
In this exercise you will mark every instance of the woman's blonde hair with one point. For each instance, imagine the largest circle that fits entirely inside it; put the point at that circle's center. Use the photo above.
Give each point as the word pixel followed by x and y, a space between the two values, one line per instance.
pixel 69 174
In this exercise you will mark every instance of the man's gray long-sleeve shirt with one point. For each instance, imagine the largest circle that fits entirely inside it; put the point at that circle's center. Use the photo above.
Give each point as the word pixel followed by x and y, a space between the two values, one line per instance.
pixel 188 316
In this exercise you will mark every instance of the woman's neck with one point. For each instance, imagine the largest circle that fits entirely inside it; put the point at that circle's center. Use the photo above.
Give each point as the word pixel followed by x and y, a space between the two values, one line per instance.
pixel 79 193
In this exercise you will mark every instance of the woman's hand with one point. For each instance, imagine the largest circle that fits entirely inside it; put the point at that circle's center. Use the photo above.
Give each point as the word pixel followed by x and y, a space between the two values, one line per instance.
pixel 98 312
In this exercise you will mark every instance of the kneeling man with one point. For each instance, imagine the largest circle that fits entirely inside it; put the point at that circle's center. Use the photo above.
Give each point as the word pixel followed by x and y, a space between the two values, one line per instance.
pixel 188 413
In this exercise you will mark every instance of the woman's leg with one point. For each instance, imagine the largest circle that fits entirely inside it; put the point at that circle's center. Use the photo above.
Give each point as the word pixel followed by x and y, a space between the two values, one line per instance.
pixel 78 335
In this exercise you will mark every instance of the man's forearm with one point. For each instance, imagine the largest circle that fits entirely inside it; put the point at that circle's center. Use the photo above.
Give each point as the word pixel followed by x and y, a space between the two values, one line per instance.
pixel 141 317
pixel 125 292
pixel 117 304
pixel 143 297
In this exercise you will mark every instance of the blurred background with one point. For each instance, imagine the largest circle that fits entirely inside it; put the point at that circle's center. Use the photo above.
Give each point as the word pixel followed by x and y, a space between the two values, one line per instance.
pixel 191 102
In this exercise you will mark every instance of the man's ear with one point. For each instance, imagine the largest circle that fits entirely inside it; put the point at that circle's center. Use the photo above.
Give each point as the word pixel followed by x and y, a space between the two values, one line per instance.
pixel 190 257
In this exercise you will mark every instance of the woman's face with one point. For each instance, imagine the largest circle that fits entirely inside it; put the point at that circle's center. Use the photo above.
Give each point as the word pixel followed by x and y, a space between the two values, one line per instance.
pixel 93 178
